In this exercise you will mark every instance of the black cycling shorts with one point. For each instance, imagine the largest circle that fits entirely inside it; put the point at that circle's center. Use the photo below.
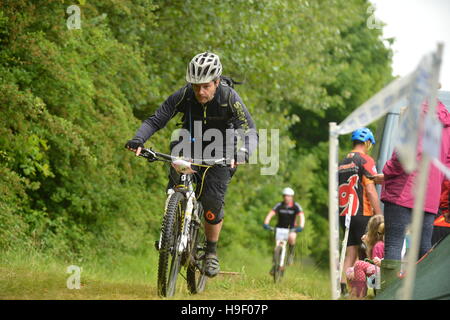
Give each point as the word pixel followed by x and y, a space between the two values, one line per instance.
pixel 212 195
pixel 358 226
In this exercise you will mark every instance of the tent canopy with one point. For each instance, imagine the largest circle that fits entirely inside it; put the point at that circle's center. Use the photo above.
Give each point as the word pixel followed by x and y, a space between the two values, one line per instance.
pixel 432 278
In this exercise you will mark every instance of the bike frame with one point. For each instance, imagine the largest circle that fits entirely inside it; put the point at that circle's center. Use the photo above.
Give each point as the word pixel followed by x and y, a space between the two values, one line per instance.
pixel 189 212
pixel 185 185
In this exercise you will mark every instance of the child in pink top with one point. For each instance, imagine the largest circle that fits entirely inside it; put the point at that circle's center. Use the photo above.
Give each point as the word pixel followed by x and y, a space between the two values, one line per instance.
pixel 374 242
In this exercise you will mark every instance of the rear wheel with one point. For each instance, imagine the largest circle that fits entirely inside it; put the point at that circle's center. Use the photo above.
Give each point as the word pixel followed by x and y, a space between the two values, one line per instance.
pixel 196 278
pixel 291 255
pixel 170 233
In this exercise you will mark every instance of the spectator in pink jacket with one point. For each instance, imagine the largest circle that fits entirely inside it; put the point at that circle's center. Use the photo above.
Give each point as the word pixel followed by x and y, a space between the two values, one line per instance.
pixel 398 195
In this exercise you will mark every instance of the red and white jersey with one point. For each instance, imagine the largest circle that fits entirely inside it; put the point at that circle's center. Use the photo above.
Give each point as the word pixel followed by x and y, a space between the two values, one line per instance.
pixel 354 172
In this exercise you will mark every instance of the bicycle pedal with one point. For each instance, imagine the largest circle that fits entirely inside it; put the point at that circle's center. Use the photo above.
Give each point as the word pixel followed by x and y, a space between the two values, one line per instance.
pixel 157 245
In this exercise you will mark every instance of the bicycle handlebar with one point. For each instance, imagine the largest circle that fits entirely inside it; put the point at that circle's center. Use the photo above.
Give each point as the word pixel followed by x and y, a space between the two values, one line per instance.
pixel 154 156
pixel 290 229
pixel 151 156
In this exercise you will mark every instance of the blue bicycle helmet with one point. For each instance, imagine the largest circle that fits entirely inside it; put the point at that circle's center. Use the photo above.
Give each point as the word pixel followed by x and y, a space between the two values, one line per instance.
pixel 363 135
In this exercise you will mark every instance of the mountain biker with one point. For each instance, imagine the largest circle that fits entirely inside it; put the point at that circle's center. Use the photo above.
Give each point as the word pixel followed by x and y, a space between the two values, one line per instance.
pixel 356 173
pixel 287 212
pixel 209 103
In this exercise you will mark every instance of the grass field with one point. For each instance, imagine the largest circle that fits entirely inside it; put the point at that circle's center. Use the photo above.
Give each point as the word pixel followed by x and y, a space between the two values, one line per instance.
pixel 34 276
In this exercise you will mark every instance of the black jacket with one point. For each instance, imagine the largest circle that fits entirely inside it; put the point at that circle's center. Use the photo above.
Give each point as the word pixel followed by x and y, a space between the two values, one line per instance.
pixel 225 111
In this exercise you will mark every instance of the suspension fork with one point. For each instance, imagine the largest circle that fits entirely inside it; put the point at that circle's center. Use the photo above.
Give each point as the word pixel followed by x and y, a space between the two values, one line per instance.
pixel 190 196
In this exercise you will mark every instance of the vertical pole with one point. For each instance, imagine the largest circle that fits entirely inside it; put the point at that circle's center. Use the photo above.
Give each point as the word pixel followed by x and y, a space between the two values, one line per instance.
pixel 348 218
pixel 416 229
pixel 333 210
pixel 407 289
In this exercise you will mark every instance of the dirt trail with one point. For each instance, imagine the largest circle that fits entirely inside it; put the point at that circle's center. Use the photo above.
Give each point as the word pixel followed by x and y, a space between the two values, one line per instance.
pixel 23 283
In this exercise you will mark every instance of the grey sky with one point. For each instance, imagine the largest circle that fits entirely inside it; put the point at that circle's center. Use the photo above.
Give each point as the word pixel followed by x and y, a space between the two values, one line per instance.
pixel 417 26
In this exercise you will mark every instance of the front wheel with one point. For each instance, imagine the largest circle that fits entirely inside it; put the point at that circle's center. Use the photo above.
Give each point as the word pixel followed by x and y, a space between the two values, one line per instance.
pixel 170 233
pixel 278 272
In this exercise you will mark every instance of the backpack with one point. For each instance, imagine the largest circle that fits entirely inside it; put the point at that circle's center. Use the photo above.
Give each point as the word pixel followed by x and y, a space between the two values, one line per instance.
pixel 224 80
pixel 229 81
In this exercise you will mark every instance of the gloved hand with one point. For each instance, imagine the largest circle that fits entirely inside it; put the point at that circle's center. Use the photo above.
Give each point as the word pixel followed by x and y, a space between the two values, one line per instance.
pixel 266 226
pixel 134 144
pixel 298 229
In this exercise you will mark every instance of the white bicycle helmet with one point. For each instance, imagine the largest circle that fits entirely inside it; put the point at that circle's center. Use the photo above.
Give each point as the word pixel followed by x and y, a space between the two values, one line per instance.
pixel 288 192
pixel 203 68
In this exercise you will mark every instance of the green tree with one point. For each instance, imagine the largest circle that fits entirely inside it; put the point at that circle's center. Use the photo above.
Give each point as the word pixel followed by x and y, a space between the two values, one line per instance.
pixel 70 99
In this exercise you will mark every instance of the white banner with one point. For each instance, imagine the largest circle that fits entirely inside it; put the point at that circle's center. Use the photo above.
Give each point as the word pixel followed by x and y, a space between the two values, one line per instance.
pixel 425 86
pixel 445 170
pixel 415 86
pixel 411 122
pixel 432 136
pixel 378 105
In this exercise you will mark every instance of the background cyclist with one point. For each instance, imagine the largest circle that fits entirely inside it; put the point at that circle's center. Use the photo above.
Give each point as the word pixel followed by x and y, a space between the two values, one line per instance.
pixel 290 215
